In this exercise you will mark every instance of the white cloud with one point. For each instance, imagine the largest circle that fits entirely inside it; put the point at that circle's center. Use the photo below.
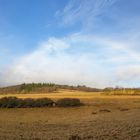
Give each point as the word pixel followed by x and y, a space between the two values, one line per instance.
pixel 49 63
pixel 101 65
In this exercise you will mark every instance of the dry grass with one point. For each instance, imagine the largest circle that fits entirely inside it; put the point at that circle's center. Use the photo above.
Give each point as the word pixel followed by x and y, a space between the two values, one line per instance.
pixel 68 94
pixel 59 94
pixel 87 122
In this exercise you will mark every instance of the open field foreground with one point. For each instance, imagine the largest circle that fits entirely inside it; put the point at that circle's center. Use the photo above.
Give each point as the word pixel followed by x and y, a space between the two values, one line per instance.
pixel 102 118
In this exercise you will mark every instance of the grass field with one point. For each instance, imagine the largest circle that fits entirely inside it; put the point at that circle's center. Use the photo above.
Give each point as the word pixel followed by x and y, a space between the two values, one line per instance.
pixel 102 118
pixel 68 94
pixel 59 94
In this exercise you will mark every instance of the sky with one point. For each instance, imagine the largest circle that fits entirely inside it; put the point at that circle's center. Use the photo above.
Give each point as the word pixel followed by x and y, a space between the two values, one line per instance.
pixel 76 42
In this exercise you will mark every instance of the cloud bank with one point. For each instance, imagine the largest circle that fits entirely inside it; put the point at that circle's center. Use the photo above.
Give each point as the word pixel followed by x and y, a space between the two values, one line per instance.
pixel 57 60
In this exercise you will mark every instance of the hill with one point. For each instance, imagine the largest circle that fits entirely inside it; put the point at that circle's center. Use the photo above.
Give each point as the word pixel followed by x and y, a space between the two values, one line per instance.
pixel 43 88
pixel 50 88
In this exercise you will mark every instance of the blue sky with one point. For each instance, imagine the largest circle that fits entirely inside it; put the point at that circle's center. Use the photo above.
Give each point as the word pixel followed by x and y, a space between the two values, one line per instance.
pixel 90 42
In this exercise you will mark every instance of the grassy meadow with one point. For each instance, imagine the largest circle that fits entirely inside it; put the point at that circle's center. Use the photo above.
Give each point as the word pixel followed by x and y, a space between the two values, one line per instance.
pixel 67 93
pixel 102 117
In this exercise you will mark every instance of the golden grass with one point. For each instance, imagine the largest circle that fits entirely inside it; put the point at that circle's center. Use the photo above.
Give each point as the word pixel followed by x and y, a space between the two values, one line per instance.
pixel 102 117
pixel 68 94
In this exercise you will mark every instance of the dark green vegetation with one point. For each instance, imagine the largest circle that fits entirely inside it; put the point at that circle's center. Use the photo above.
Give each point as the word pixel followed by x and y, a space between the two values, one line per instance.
pixel 13 102
pixel 43 88
pixel 66 102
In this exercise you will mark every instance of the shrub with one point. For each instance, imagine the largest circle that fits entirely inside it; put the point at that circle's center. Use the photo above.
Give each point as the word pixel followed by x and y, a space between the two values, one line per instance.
pixel 13 102
pixel 43 102
pixel 28 102
pixel 9 102
pixel 67 102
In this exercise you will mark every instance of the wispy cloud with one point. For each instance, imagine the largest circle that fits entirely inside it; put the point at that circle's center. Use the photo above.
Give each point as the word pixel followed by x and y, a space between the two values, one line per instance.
pixel 84 12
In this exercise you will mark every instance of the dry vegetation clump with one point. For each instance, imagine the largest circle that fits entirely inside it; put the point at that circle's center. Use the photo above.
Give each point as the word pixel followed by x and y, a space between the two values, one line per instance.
pixel 124 109
pixel 75 137
pixel 104 110
pixel 68 102
pixel 93 113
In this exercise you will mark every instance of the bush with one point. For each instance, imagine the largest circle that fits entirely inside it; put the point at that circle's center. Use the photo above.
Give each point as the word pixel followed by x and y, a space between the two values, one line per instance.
pixel 28 103
pixel 68 102
pixel 9 102
pixel 43 102
pixel 13 102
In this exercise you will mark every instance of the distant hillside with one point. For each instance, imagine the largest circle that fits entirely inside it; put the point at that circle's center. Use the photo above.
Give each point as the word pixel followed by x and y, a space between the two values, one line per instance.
pixel 43 88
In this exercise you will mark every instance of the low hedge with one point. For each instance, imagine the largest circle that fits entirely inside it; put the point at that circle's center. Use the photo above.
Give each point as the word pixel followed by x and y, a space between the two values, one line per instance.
pixel 68 102
pixel 10 102
pixel 13 102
